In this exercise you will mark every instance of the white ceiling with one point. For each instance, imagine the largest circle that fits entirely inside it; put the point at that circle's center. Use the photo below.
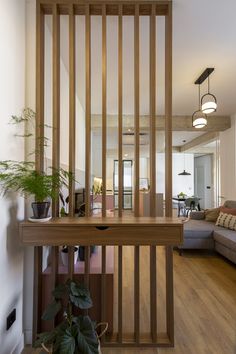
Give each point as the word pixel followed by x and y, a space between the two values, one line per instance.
pixel 204 35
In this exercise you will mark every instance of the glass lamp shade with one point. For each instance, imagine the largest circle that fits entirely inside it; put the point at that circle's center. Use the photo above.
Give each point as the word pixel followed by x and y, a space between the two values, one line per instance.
pixel 199 120
pixel 208 103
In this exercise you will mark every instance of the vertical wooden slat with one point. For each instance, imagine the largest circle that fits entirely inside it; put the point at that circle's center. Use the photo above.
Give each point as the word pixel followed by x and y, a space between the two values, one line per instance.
pixel 120 293
pixel 56 101
pixel 87 265
pixel 169 294
pixel 168 171
pixel 104 107
pixel 56 127
pixel 103 289
pixel 88 111
pixel 37 300
pixel 72 127
pixel 153 293
pixel 153 112
pixel 120 105
pixel 136 295
pixel 40 52
pixel 136 108
pixel 136 206
pixel 39 156
pixel 168 111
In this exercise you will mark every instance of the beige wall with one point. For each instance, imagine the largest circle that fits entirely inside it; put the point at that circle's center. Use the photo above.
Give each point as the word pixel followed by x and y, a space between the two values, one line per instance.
pixel 228 162
pixel 12 93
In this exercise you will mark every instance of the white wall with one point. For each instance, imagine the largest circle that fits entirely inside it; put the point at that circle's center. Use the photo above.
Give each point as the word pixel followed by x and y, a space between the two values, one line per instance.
pixel 228 162
pixel 12 93
pixel 183 184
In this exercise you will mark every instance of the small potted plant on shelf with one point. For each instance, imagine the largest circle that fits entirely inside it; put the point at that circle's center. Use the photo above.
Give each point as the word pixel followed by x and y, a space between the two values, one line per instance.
pixel 23 177
pixel 76 333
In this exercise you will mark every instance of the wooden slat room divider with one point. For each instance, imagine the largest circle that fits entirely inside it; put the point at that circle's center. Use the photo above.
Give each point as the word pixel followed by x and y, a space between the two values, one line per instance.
pixel 118 8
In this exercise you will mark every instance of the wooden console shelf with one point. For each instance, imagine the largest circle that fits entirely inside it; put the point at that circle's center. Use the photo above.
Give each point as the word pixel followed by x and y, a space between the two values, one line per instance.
pixel 103 231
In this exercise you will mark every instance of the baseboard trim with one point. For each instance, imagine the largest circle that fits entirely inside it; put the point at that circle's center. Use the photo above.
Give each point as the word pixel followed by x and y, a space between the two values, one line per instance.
pixel 19 346
pixel 28 336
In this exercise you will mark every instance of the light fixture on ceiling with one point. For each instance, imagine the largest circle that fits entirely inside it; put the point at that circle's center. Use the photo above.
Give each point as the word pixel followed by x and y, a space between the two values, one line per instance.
pixel 199 119
pixel 208 101
pixel 184 173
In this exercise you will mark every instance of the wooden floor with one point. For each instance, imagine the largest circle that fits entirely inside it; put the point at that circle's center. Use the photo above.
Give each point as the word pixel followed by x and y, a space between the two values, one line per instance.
pixel 205 307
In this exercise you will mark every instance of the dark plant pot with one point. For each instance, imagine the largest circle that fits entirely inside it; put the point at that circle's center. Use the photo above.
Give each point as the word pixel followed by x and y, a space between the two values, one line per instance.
pixel 40 209
pixel 82 252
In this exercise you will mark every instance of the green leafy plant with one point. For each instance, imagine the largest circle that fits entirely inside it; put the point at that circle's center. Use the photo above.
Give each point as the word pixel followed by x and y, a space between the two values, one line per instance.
pixel 23 178
pixel 76 334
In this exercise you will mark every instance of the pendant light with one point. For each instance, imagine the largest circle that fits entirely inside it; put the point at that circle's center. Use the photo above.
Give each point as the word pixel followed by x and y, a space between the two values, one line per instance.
pixel 208 101
pixel 184 173
pixel 199 119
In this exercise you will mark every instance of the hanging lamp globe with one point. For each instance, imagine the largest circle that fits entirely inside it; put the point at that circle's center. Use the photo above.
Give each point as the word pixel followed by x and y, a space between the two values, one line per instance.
pixel 208 103
pixel 199 119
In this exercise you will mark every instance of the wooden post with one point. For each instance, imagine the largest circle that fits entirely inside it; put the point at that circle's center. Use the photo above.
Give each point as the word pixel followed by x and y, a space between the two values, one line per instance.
pixel 153 111
pixel 104 107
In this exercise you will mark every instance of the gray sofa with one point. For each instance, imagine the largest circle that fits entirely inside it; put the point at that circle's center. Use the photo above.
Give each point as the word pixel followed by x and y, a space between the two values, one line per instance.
pixel 202 234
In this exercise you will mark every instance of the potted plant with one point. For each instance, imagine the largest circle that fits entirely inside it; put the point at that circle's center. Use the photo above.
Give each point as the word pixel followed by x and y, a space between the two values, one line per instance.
pixel 64 255
pixel 76 333
pixel 22 177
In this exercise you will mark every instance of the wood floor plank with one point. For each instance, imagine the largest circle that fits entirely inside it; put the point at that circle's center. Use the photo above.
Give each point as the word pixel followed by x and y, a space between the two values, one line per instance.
pixel 205 303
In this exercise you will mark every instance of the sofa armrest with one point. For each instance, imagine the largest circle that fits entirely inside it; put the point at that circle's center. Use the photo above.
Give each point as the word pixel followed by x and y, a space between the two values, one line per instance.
pixel 197 215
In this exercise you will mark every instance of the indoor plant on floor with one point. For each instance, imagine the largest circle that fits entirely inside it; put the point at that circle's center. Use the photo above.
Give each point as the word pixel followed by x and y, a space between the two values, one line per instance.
pixel 76 333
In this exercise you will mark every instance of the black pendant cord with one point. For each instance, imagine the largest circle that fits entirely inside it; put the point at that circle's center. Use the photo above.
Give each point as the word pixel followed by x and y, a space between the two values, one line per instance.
pixel 199 97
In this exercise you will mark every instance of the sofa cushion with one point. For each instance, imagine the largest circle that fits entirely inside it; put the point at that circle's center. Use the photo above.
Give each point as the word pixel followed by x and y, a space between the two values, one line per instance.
pixel 212 214
pixel 198 229
pixel 225 237
pixel 230 204
pixel 226 220
pixel 231 211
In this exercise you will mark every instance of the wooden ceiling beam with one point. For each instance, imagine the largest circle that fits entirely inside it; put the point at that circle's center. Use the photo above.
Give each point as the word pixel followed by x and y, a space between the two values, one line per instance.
pixel 200 140
pixel 180 123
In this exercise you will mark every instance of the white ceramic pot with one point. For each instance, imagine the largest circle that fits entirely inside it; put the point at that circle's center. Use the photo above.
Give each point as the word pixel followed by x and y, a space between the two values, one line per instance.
pixel 64 256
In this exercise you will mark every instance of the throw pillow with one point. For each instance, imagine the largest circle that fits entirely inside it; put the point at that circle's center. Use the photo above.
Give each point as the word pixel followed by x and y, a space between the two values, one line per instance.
pixel 231 211
pixel 212 214
pixel 226 220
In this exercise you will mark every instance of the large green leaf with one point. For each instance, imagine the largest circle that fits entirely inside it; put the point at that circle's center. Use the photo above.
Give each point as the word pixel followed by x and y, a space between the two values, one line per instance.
pixel 60 291
pixel 46 338
pixel 67 345
pixel 51 311
pixel 87 338
pixel 80 296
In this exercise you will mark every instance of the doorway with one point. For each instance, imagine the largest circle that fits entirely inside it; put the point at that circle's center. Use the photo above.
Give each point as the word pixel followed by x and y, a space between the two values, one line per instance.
pixel 127 184
pixel 203 180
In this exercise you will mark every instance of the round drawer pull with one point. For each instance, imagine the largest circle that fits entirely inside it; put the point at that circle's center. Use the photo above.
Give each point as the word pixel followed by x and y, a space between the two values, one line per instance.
pixel 102 227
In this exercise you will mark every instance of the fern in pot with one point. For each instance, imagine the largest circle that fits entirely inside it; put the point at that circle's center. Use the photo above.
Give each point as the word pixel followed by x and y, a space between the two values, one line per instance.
pixel 76 333
pixel 22 177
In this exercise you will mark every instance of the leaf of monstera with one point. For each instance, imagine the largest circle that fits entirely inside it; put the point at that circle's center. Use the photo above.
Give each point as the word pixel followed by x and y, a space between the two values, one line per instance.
pixel 51 311
pixel 87 338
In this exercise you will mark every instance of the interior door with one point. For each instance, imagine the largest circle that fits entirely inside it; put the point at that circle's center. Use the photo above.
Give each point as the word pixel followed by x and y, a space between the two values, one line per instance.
pixel 203 180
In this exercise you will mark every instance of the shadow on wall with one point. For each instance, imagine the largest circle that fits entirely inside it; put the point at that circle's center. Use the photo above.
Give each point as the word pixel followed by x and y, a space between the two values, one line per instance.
pixel 14 246
pixel 13 291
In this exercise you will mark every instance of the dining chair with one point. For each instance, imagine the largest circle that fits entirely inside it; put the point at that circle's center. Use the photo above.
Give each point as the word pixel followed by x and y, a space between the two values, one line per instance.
pixel 191 204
